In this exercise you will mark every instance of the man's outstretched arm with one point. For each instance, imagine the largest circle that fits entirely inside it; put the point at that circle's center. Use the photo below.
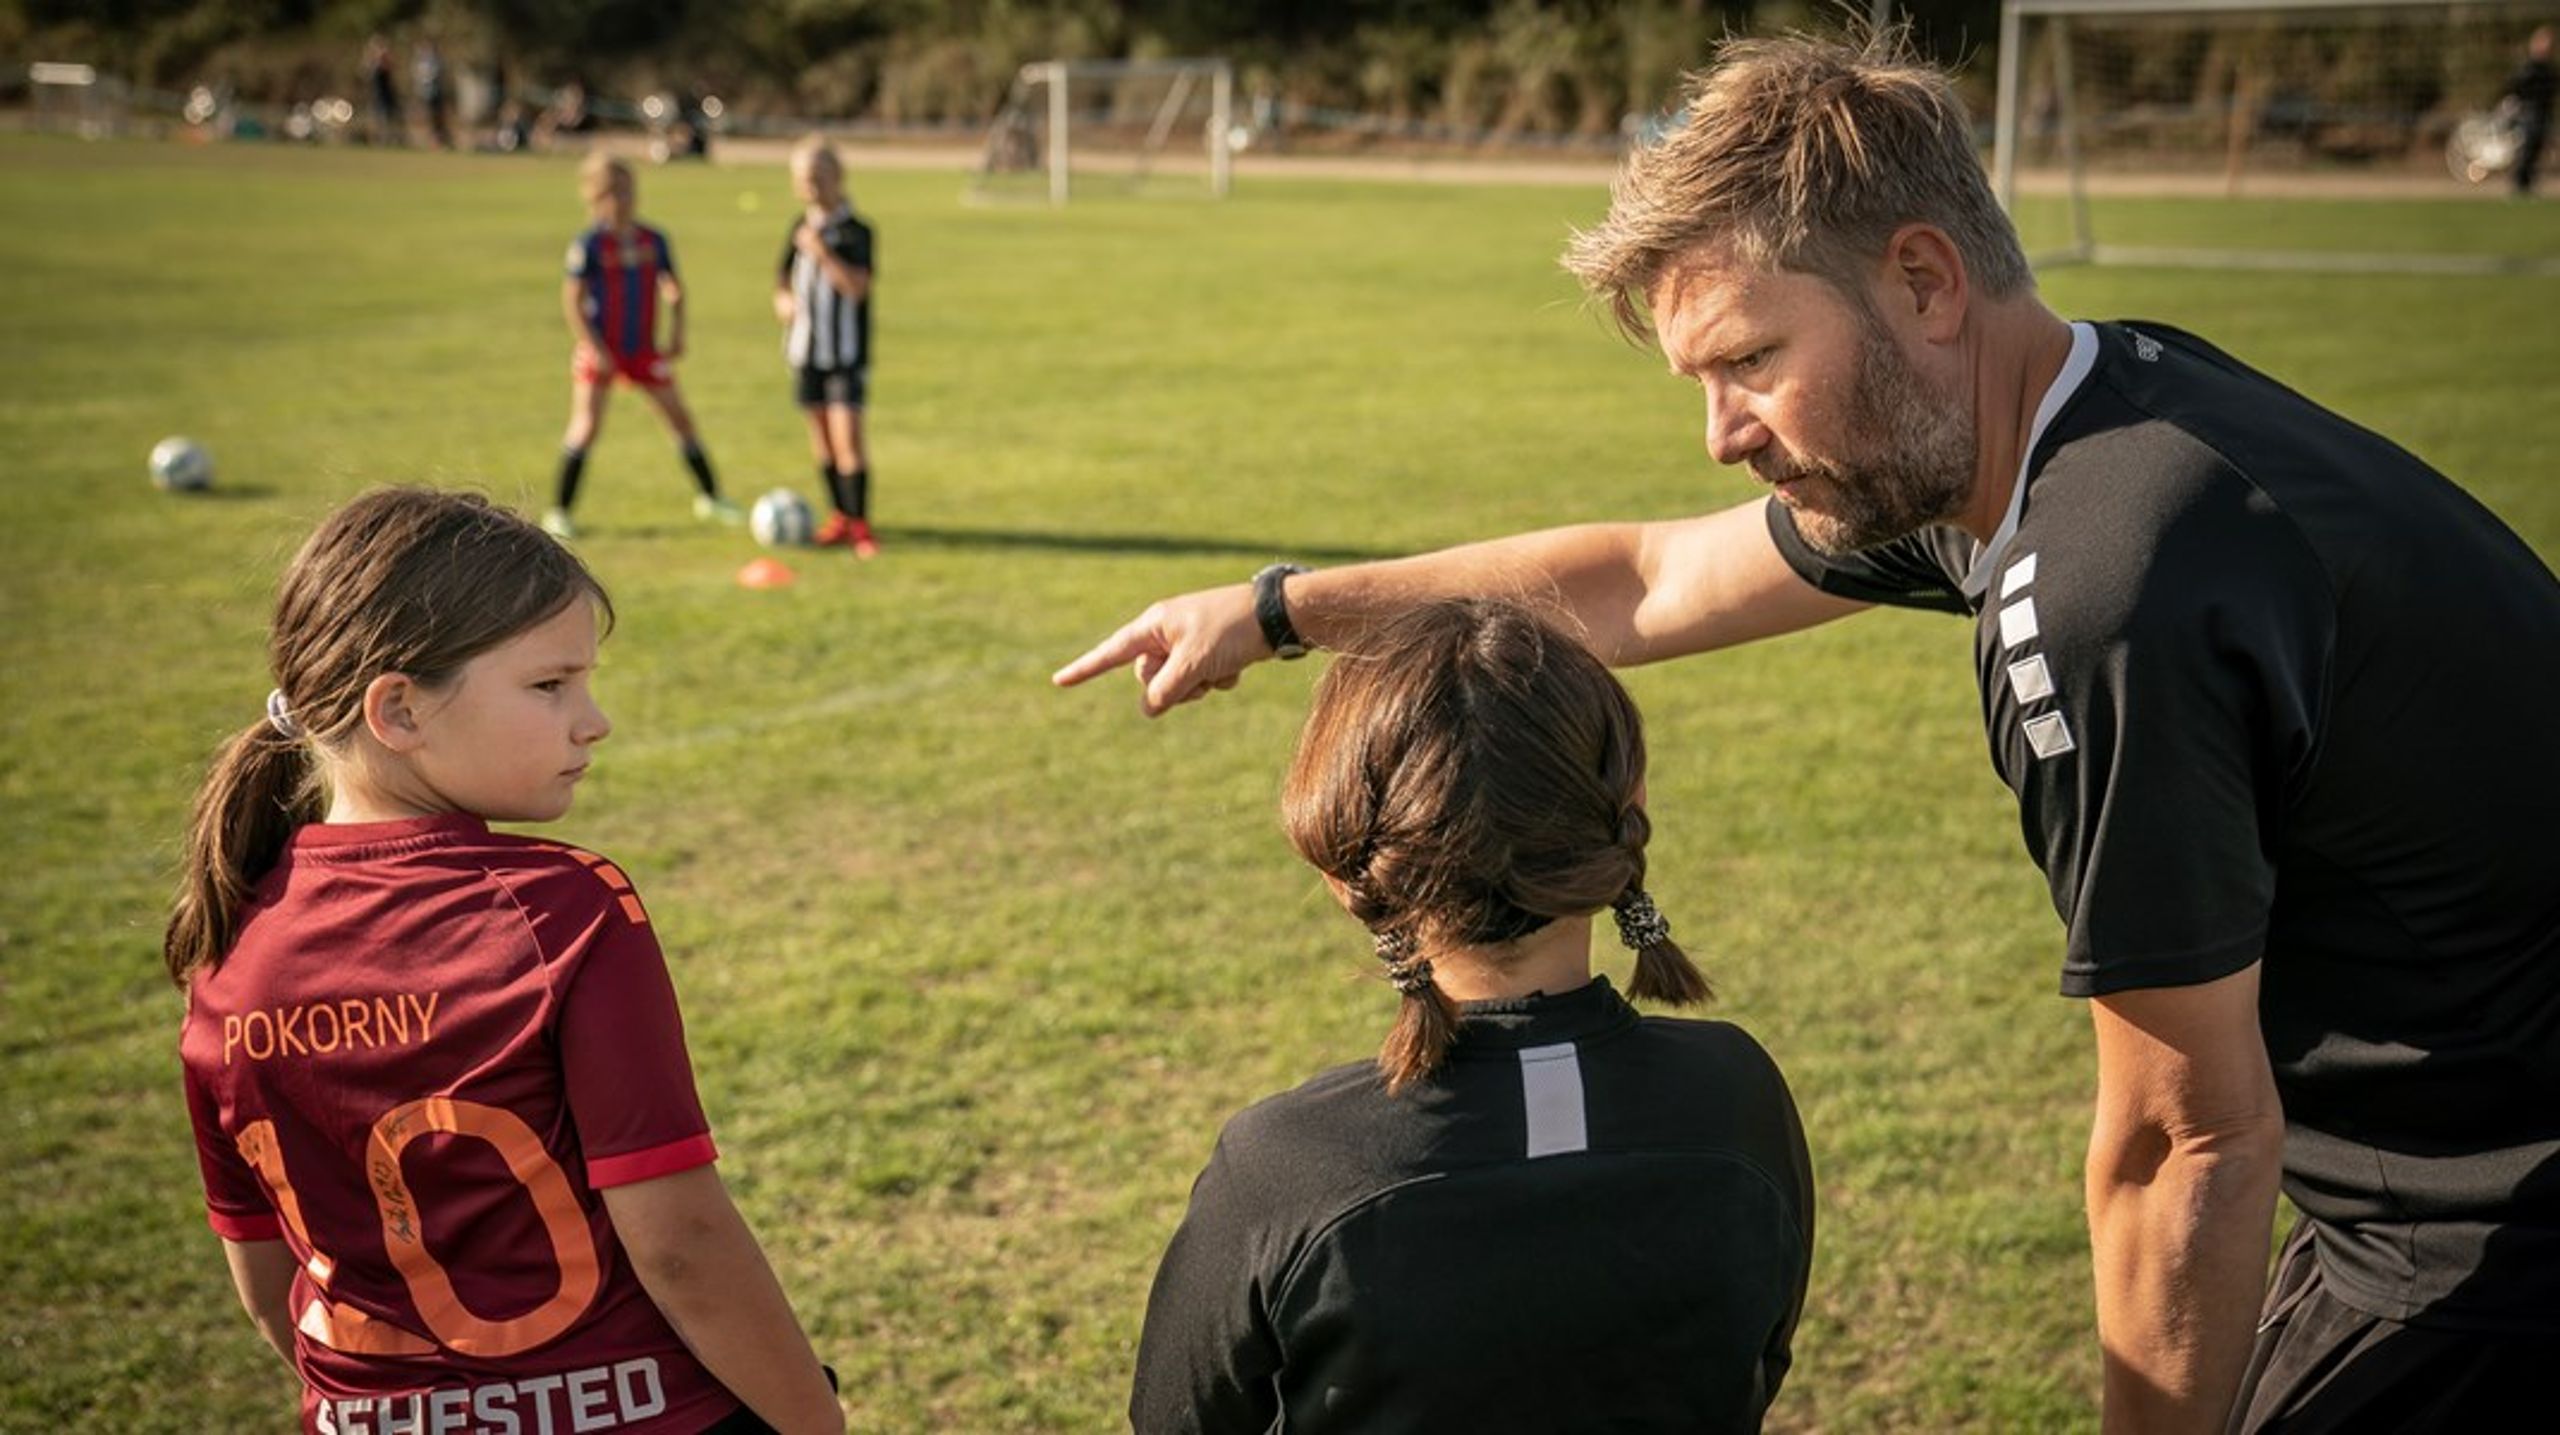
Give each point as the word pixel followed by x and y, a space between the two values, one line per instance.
pixel 1636 593
pixel 2183 1161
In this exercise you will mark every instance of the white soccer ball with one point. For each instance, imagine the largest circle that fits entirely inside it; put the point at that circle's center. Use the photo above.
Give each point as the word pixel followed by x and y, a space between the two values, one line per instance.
pixel 181 465
pixel 782 520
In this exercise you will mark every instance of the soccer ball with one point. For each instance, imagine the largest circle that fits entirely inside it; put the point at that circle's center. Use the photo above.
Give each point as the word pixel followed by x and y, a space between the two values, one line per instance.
pixel 181 465
pixel 782 520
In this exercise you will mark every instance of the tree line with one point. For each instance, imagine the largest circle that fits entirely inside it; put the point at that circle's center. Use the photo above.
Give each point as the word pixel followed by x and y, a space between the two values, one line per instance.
pixel 1564 67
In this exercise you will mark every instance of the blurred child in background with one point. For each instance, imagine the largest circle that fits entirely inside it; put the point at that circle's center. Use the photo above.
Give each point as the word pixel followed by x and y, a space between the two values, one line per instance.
pixel 620 272
pixel 822 295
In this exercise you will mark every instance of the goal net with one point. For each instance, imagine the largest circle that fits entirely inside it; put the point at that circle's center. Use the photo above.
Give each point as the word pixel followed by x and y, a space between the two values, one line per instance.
pixel 72 98
pixel 1128 126
pixel 2190 131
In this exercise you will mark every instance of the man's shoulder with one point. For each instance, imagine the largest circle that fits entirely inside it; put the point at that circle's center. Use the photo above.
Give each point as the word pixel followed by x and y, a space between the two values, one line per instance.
pixel 2152 375
pixel 2174 376
pixel 2141 525
pixel 2169 433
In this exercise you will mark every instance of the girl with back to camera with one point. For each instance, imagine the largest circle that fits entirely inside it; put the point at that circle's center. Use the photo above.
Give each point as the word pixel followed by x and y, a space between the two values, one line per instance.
pixel 1536 1210
pixel 446 1122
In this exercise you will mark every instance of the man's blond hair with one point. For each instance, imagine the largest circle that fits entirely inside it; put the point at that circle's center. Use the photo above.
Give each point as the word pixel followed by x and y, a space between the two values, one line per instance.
pixel 1805 154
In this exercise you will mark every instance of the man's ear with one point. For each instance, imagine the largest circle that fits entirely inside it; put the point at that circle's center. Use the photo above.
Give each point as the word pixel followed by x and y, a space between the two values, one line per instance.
pixel 392 712
pixel 1925 280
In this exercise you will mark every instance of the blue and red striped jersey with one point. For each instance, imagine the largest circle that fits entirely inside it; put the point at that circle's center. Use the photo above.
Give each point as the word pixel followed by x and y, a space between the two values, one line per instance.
pixel 618 276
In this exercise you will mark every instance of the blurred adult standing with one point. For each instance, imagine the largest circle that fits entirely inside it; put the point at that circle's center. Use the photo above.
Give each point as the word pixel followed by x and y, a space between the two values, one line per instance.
pixel 426 71
pixel 2531 91
pixel 382 93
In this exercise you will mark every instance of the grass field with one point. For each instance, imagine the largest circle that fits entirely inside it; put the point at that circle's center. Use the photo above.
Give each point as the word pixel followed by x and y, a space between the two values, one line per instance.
pixel 974 969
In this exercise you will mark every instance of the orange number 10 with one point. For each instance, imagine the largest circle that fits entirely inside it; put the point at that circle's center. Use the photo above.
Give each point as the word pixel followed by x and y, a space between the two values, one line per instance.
pixel 453 1324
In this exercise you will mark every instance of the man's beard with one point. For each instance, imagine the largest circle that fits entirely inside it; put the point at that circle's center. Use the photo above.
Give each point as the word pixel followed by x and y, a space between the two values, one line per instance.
pixel 1915 463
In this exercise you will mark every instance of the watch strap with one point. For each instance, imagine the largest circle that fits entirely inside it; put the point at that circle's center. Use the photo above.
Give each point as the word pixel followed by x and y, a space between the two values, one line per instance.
pixel 1271 610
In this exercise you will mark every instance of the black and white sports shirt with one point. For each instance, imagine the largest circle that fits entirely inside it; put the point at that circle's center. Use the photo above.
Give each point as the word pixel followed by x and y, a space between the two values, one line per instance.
pixel 828 330
pixel 1585 1220
pixel 2268 688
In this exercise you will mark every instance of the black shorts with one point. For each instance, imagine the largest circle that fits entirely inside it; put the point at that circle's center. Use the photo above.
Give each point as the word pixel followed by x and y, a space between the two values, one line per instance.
pixel 2322 1367
pixel 831 388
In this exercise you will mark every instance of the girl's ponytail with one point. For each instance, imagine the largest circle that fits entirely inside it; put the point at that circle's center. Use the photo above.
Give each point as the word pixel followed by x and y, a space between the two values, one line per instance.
pixel 257 792
pixel 1426 1022
pixel 1663 973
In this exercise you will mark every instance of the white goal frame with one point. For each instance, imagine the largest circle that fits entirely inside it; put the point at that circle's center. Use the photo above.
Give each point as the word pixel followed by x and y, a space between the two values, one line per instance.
pixel 1042 92
pixel 75 98
pixel 2085 246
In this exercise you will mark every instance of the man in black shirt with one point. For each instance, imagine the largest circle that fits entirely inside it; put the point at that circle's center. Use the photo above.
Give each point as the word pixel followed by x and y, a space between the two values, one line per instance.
pixel 2273 695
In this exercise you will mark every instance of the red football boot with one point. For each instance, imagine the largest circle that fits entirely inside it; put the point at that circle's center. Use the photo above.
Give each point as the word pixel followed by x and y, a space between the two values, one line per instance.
pixel 864 545
pixel 836 532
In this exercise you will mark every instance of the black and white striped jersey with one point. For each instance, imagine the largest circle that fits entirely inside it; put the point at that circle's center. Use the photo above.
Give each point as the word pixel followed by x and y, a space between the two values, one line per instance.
pixel 828 329
pixel 1586 1219
pixel 2271 690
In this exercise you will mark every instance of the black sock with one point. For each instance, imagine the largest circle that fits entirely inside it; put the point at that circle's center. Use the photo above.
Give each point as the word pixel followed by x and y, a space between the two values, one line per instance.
pixel 700 463
pixel 836 495
pixel 860 483
pixel 573 466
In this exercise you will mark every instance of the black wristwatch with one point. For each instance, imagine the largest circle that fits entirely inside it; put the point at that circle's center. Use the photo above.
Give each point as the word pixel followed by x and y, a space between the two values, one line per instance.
pixel 1271 610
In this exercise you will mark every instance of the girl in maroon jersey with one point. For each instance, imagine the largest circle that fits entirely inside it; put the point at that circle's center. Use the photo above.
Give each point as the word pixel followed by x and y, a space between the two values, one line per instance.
pixel 446 1122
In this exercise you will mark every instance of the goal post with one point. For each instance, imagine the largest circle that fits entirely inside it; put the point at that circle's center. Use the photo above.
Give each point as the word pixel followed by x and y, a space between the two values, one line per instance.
pixel 74 98
pixel 1130 123
pixel 2105 104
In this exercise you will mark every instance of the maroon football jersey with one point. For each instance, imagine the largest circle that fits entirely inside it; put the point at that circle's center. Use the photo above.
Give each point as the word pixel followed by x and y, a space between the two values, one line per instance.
pixel 429 1048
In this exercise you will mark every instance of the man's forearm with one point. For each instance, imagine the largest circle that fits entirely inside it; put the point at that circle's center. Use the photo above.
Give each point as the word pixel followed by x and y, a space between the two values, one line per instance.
pixel 1632 592
pixel 1586 574
pixel 2179 1237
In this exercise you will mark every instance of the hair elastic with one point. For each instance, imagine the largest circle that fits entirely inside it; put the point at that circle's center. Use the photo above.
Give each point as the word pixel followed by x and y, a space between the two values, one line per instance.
pixel 1640 923
pixel 1406 972
pixel 280 716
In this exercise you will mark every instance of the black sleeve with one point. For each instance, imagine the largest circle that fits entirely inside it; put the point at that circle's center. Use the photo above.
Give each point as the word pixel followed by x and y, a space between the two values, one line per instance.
pixel 790 247
pixel 2159 704
pixel 1208 1355
pixel 853 244
pixel 1906 573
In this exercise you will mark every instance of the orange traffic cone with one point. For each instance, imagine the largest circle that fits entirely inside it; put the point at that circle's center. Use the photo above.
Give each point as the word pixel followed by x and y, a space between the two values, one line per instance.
pixel 766 573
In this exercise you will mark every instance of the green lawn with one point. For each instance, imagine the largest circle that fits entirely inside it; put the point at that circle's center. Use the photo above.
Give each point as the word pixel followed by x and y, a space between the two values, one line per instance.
pixel 974 969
